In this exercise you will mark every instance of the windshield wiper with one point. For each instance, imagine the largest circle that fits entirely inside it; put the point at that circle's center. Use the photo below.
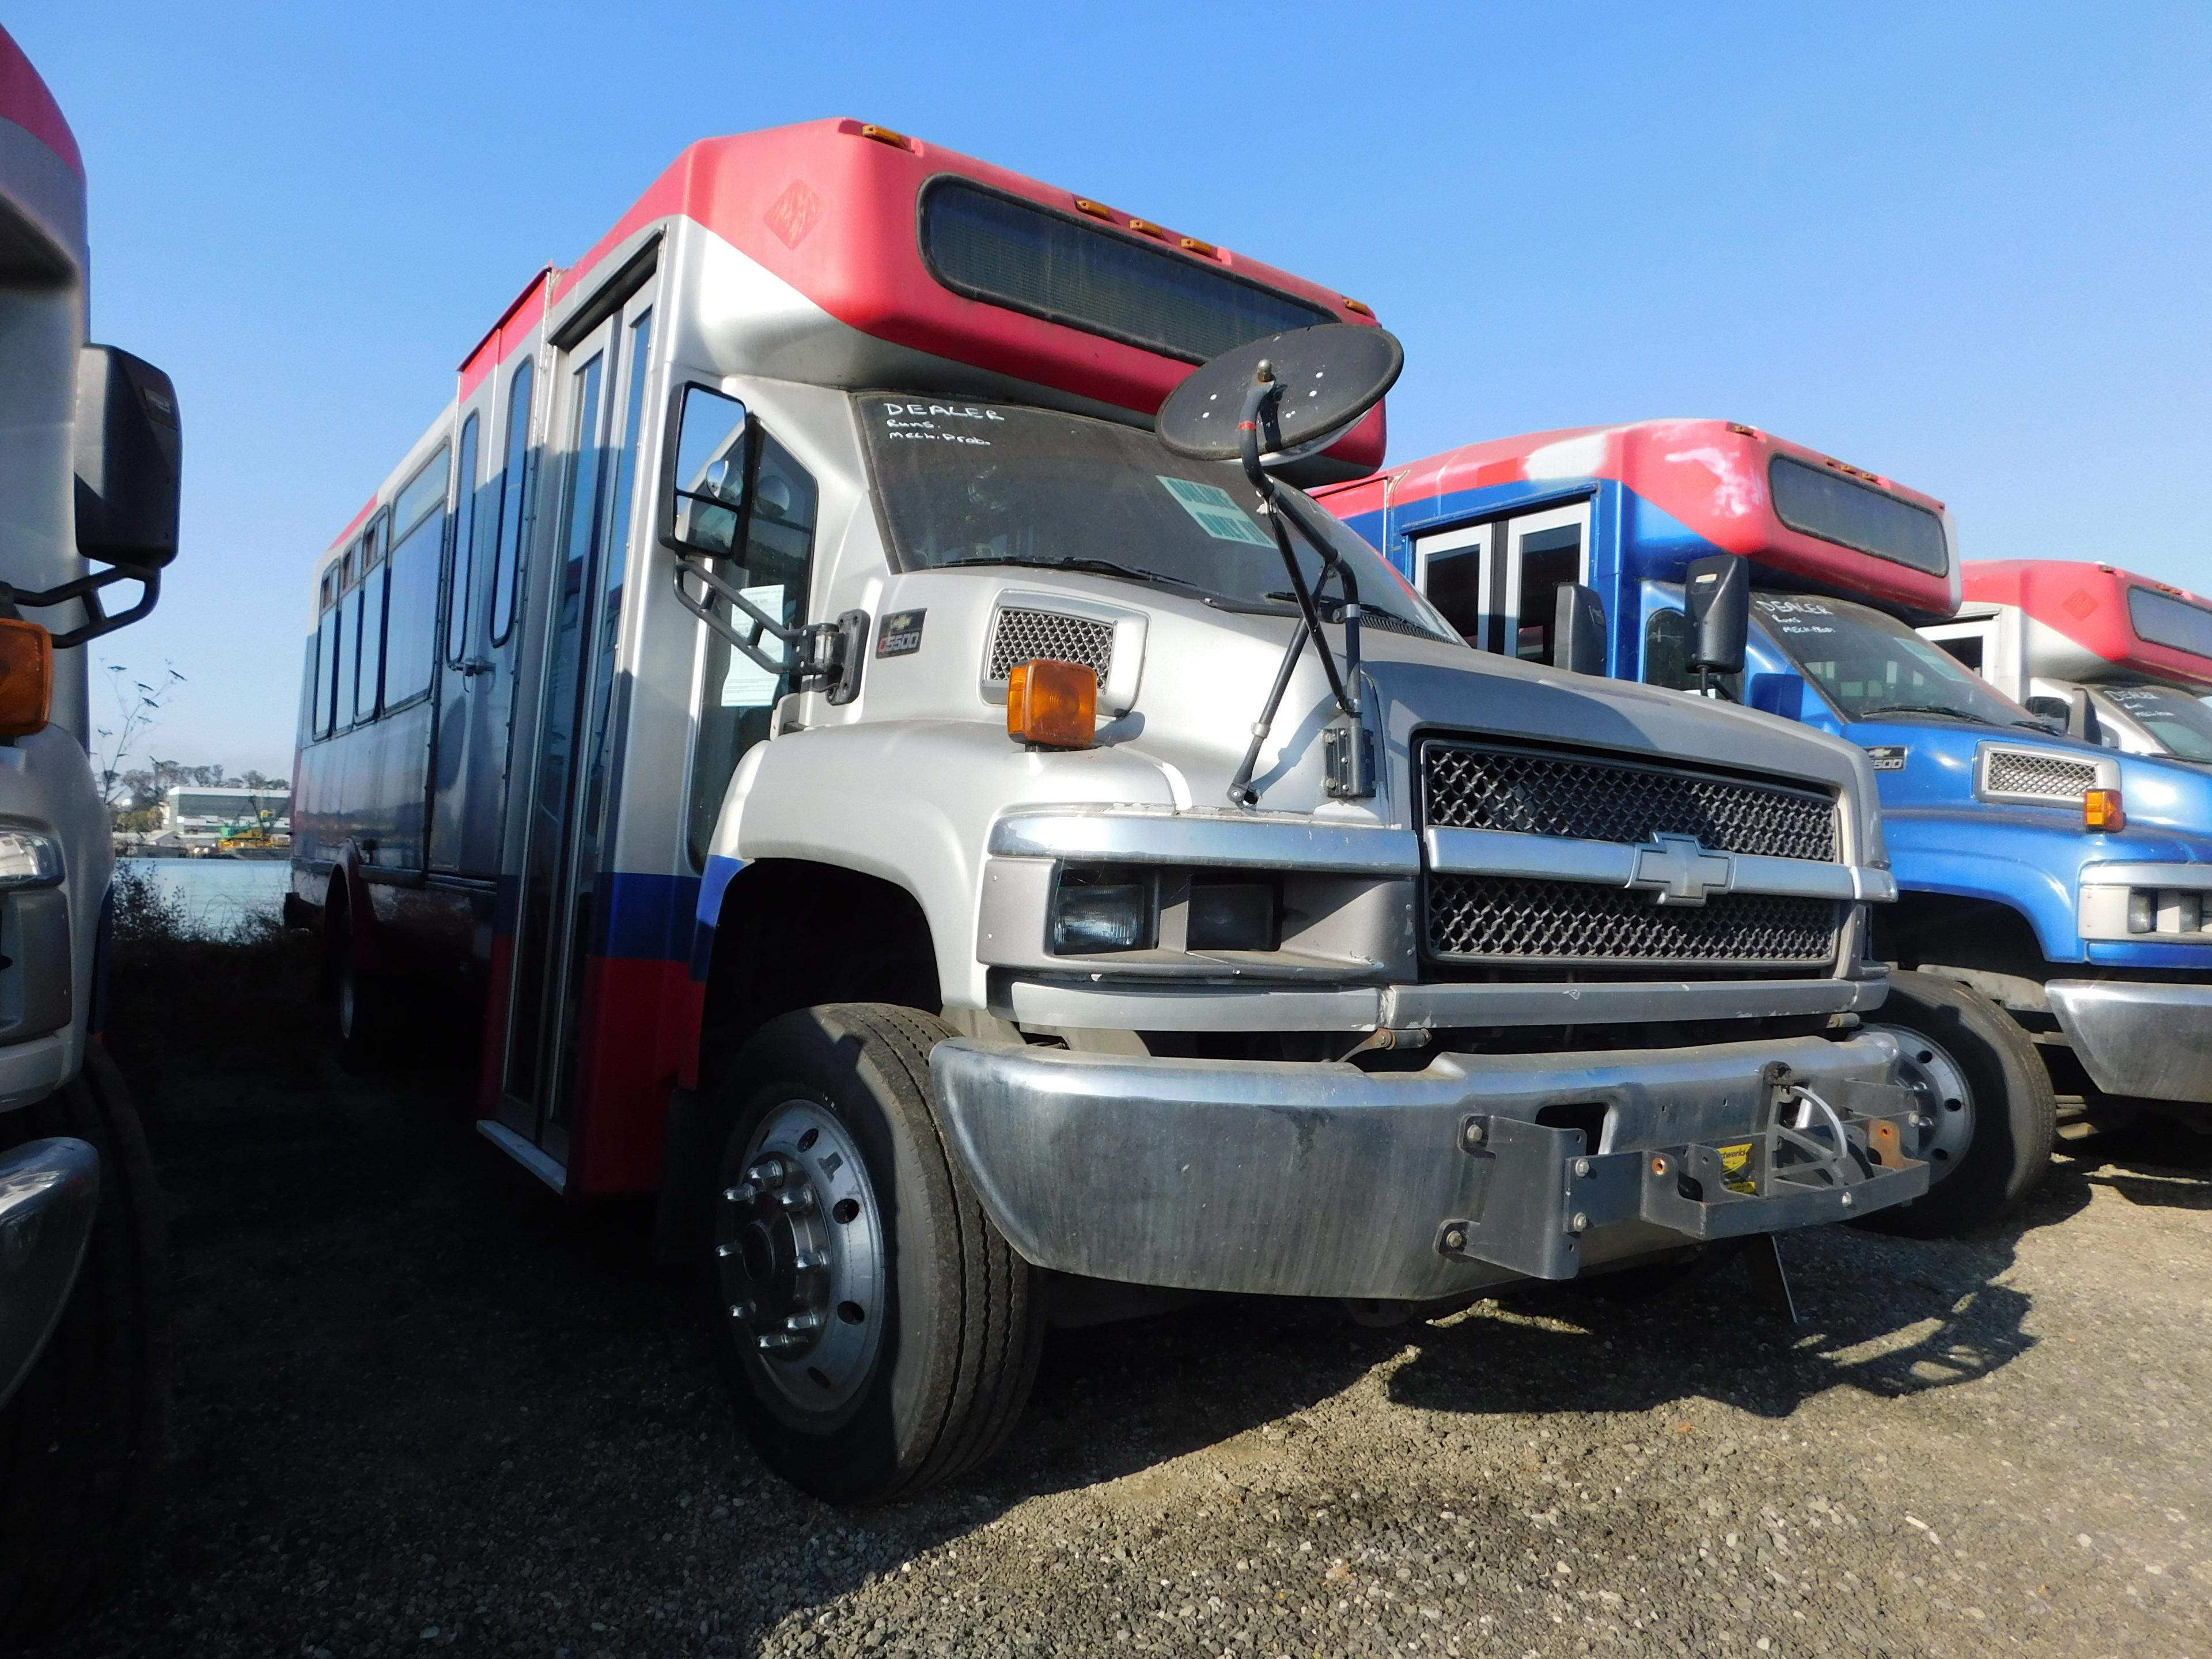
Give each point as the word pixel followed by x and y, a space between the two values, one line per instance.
pixel 1923 709
pixel 1088 566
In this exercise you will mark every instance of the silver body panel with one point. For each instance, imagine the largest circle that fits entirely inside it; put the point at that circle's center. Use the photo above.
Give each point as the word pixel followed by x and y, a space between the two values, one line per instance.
pixel 2146 1041
pixel 1320 1180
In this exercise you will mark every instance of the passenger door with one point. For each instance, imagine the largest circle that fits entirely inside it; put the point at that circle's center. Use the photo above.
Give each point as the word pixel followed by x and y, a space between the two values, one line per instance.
pixel 567 753
pixel 1498 582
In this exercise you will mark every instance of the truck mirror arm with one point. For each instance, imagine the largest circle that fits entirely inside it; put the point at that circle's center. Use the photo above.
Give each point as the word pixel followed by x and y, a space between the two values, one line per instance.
pixel 1351 774
pixel 822 655
pixel 86 590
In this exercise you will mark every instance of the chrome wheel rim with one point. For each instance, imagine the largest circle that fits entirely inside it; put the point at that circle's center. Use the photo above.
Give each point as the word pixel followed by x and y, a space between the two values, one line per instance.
pixel 799 1255
pixel 1944 1122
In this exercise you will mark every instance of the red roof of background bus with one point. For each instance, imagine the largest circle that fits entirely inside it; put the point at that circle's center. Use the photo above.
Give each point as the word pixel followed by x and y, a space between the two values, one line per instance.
pixel 1710 475
pixel 2088 604
pixel 808 204
pixel 25 101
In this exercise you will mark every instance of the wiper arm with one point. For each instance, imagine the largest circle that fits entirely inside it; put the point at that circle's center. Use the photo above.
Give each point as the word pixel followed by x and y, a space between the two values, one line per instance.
pixel 1924 708
pixel 1087 566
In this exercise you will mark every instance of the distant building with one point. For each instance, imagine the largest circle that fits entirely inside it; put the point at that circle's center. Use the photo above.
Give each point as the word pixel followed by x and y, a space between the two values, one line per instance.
pixel 188 809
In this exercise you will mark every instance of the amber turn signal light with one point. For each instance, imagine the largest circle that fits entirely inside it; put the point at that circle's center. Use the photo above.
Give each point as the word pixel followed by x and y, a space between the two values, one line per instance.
pixel 26 678
pixel 1053 704
pixel 2100 810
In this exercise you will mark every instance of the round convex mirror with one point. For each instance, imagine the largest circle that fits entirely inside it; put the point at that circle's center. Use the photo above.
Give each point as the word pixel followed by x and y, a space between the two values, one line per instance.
pixel 1330 374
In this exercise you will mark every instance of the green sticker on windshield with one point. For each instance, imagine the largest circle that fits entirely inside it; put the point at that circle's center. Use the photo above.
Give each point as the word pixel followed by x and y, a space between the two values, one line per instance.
pixel 1216 511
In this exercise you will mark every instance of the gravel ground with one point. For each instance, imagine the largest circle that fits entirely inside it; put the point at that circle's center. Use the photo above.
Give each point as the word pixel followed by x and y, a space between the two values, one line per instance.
pixel 423 1406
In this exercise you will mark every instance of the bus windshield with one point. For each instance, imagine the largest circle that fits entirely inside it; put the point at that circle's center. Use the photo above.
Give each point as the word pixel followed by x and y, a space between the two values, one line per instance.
pixel 1871 665
pixel 2181 724
pixel 1004 484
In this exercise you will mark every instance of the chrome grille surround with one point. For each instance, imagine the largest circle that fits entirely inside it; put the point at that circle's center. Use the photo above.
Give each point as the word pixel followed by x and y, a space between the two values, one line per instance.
pixel 1510 920
pixel 1020 635
pixel 1476 785
pixel 2035 775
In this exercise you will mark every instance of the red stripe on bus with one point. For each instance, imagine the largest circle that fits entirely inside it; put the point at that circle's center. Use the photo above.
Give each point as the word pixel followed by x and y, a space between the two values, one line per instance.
pixel 25 99
pixel 631 1052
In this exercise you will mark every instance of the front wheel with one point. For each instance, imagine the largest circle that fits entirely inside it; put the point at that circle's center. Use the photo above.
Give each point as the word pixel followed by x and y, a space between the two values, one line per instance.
pixel 1986 1118
pixel 880 1335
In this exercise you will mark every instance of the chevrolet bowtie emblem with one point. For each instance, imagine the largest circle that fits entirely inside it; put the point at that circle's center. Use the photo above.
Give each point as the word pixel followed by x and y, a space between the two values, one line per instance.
pixel 1679 870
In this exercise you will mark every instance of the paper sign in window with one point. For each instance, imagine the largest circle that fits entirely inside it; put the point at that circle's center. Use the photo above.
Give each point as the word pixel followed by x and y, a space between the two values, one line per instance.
pixel 747 684
pixel 1215 511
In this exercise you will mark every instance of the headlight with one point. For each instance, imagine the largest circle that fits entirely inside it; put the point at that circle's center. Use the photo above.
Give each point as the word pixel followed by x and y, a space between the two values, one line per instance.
pixel 28 860
pixel 1100 908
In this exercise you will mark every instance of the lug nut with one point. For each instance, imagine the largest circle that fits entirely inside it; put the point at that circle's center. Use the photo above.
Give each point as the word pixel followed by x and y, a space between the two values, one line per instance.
pixel 742 1310
pixel 806 1262
pixel 768 1172
pixel 744 1193
pixel 776 1341
pixel 799 1200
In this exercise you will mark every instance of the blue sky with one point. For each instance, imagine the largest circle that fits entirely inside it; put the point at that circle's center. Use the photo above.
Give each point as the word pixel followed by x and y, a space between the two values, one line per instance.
pixel 1965 248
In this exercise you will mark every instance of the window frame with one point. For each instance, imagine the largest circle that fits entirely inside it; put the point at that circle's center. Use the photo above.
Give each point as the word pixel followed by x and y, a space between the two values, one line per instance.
pixel 459 576
pixel 507 560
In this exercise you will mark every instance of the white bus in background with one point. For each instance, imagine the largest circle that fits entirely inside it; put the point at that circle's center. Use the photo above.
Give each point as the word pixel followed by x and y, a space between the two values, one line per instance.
pixel 2108 652
pixel 795 687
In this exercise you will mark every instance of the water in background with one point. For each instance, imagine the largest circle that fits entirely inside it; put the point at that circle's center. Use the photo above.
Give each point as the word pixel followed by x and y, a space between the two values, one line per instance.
pixel 219 895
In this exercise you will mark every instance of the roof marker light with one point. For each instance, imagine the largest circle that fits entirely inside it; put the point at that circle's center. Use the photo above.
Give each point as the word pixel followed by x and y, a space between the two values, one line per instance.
pixel 1192 245
pixel 1351 304
pixel 1095 209
pixel 1147 228
pixel 886 136
pixel 2101 809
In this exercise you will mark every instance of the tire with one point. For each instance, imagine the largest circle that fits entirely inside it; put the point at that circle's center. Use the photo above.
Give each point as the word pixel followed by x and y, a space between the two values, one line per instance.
pixel 358 1003
pixel 879 1334
pixel 82 1440
pixel 1985 1097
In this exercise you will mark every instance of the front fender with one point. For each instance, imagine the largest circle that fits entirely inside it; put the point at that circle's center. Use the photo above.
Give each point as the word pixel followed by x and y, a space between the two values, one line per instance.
pixel 912 802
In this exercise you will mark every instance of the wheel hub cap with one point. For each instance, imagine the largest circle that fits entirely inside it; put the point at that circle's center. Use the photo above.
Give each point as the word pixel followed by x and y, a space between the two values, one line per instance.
pixel 799 1254
pixel 1942 1127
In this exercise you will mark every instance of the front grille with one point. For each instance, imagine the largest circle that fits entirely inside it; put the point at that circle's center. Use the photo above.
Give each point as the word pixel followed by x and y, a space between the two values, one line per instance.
pixel 1530 793
pixel 1510 920
pixel 1025 635
pixel 2037 775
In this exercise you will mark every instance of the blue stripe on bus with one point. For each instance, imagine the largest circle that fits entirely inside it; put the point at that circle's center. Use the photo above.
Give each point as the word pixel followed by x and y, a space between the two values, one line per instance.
pixel 646 918
pixel 712 886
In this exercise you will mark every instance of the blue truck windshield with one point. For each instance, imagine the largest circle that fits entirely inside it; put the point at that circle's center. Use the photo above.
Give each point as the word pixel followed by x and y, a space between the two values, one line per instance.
pixel 1006 484
pixel 1872 666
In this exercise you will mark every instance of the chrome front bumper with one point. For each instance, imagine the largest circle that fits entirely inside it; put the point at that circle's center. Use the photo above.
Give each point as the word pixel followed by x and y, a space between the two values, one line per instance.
pixel 2139 1038
pixel 1324 1180
pixel 49 1192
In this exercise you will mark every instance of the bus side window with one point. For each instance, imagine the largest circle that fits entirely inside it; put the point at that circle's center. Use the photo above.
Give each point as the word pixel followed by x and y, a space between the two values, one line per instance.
pixel 739 697
pixel 514 481
pixel 464 546
pixel 326 655
pixel 418 531
pixel 343 711
pixel 368 672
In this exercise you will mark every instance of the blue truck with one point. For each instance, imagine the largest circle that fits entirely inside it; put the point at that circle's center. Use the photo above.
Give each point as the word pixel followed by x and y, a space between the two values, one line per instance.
pixel 2052 962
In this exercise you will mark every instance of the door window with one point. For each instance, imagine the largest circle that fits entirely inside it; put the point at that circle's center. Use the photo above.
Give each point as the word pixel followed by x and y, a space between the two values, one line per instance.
pixel 515 481
pixel 1545 552
pixel 737 698
pixel 464 547
pixel 1453 570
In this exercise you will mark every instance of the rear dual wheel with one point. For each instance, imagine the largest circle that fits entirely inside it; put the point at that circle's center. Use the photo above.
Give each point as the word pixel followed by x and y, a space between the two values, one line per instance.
pixel 1986 1118
pixel 879 1334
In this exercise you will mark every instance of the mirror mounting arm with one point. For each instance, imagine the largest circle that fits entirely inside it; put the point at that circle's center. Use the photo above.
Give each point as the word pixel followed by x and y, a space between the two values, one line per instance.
pixel 821 656
pixel 1350 768
pixel 86 590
